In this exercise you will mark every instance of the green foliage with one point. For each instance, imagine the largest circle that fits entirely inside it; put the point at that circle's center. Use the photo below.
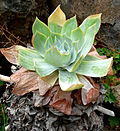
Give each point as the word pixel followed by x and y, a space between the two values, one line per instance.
pixel 109 95
pixel 111 80
pixel 1 83
pixel 3 117
pixel 114 121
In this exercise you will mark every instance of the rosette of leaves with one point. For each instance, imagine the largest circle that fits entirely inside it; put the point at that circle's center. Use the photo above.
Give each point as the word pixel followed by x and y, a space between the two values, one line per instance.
pixel 61 51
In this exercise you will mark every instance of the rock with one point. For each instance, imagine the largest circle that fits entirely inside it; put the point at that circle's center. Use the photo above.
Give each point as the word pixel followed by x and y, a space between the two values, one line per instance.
pixel 110 9
pixel 23 116
pixel 19 15
pixel 116 92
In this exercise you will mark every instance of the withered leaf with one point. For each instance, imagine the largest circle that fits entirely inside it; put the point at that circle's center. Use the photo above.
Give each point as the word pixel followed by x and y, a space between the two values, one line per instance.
pixel 48 96
pixel 27 81
pixel 62 101
pixel 88 92
pixel 76 95
pixel 37 99
pixel 95 84
pixel 11 54
pixel 92 95
pixel 93 52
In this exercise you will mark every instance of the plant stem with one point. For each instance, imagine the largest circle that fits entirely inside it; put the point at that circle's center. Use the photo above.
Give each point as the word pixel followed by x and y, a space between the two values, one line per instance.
pixel 105 111
pixel 4 78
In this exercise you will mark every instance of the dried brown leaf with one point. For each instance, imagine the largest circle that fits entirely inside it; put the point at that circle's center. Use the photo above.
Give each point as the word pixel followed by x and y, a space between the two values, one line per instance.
pixel 77 96
pixel 92 95
pixel 27 81
pixel 95 85
pixel 37 99
pixel 11 54
pixel 50 94
pixel 62 101
pixel 93 52
pixel 88 92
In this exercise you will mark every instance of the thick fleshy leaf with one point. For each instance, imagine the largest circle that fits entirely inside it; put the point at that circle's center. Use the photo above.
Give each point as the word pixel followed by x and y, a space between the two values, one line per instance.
pixel 73 51
pixel 39 42
pixel 93 52
pixel 21 56
pixel 91 58
pixel 88 92
pixel 43 68
pixel 26 57
pixel 40 27
pixel 69 25
pixel 62 101
pixel 55 58
pixel 51 40
pixel 90 21
pixel 68 81
pixel 88 40
pixel 74 66
pixel 56 20
pixel 78 35
pixel 97 68
pixel 47 82
pixel 11 54
pixel 51 79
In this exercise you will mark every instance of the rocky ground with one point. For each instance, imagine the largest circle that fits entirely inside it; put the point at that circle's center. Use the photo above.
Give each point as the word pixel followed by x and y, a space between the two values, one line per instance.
pixel 23 116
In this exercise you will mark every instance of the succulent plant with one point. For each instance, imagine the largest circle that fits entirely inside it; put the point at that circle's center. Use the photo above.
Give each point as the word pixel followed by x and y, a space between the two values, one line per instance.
pixel 61 51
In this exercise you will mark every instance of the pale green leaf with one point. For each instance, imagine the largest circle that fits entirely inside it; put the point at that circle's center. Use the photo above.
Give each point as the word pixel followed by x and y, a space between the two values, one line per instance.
pixel 69 81
pixel 54 27
pixel 48 44
pixel 56 20
pixel 78 35
pixel 69 25
pixel 55 58
pixel 39 42
pixel 40 27
pixel 74 66
pixel 43 68
pixel 74 51
pixel 27 56
pixel 91 58
pixel 97 68
pixel 51 79
pixel 51 40
pixel 90 21
pixel 88 40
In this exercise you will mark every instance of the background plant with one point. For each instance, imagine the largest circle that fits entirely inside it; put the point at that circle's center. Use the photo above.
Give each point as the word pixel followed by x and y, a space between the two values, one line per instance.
pixel 113 80
pixel 3 117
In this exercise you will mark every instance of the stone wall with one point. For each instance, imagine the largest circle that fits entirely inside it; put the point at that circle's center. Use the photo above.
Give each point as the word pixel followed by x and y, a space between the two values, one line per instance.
pixel 19 15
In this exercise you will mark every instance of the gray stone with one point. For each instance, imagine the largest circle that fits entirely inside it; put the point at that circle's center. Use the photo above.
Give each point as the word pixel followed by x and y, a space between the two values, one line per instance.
pixel 19 15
